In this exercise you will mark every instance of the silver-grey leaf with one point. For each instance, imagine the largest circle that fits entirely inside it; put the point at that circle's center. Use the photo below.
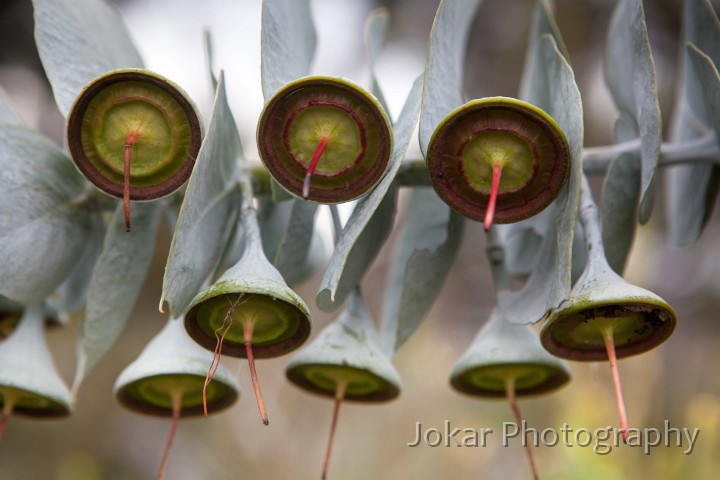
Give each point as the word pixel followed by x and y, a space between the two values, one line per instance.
pixel 371 221
pixel 442 88
pixel 79 40
pixel 376 29
pixel 7 114
pixel 287 43
pixel 620 200
pixel 422 256
pixel 630 76
pixel 292 252
pixel 550 282
pixel 209 209
pixel 44 222
pixel 692 189
pixel 116 281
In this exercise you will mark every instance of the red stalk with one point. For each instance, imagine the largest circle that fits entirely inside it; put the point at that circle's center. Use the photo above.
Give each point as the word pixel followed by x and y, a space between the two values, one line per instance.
pixel 339 395
pixel 490 212
pixel 610 346
pixel 512 400
pixel 131 139
pixel 313 164
pixel 248 331
pixel 176 407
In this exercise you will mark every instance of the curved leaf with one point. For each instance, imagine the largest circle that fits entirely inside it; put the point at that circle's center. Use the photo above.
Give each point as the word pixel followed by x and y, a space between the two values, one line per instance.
pixel 550 282
pixel 79 40
pixel 442 88
pixel 376 29
pixel 692 189
pixel 533 88
pixel 422 256
pixel 209 209
pixel 620 200
pixel 630 76
pixel 7 114
pixel 43 222
pixel 116 282
pixel 287 43
pixel 292 252
pixel 371 222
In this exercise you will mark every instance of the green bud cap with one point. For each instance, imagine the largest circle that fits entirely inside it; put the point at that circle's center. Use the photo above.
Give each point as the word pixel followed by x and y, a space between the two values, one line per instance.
pixel 501 351
pixel 251 291
pixel 347 351
pixel 334 122
pixel 173 364
pixel 28 378
pixel 149 112
pixel 523 142
pixel 601 299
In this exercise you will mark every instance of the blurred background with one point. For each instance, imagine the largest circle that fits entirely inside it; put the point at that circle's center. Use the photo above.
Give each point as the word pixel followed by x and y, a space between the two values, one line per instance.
pixel 675 382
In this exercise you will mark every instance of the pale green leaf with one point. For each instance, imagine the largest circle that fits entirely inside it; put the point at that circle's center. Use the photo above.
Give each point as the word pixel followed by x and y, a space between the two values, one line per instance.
pixel 210 58
pixel 116 281
pixel 533 87
pixel 287 43
pixel 292 252
pixel 620 200
pixel 692 189
pixel 71 294
pixel 376 29
pixel 630 76
pixel 43 222
pixel 371 220
pixel 209 209
pixel 7 114
pixel 79 40
pixel 422 256
pixel 550 282
pixel 442 88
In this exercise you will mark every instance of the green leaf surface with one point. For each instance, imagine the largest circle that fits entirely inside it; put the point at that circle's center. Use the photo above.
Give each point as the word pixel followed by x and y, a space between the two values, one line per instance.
pixel 550 282
pixel 442 88
pixel 630 76
pixel 287 43
pixel 7 114
pixel 209 209
pixel 116 281
pixel 376 29
pixel 71 294
pixel 78 40
pixel 422 256
pixel 620 200
pixel 707 73
pixel 292 252
pixel 692 189
pixel 43 223
pixel 533 87
pixel 522 240
pixel 210 58
pixel 372 219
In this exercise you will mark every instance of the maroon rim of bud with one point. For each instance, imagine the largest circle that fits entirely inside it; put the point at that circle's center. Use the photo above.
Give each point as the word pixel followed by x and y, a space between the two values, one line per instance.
pixel 325 139
pixel 477 141
pixel 129 94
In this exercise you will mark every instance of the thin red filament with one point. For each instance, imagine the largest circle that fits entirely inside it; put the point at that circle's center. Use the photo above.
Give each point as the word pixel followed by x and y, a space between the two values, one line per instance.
pixel 610 346
pixel 176 407
pixel 313 164
pixel 512 400
pixel 3 421
pixel 217 354
pixel 248 331
pixel 490 212
pixel 131 139
pixel 339 395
